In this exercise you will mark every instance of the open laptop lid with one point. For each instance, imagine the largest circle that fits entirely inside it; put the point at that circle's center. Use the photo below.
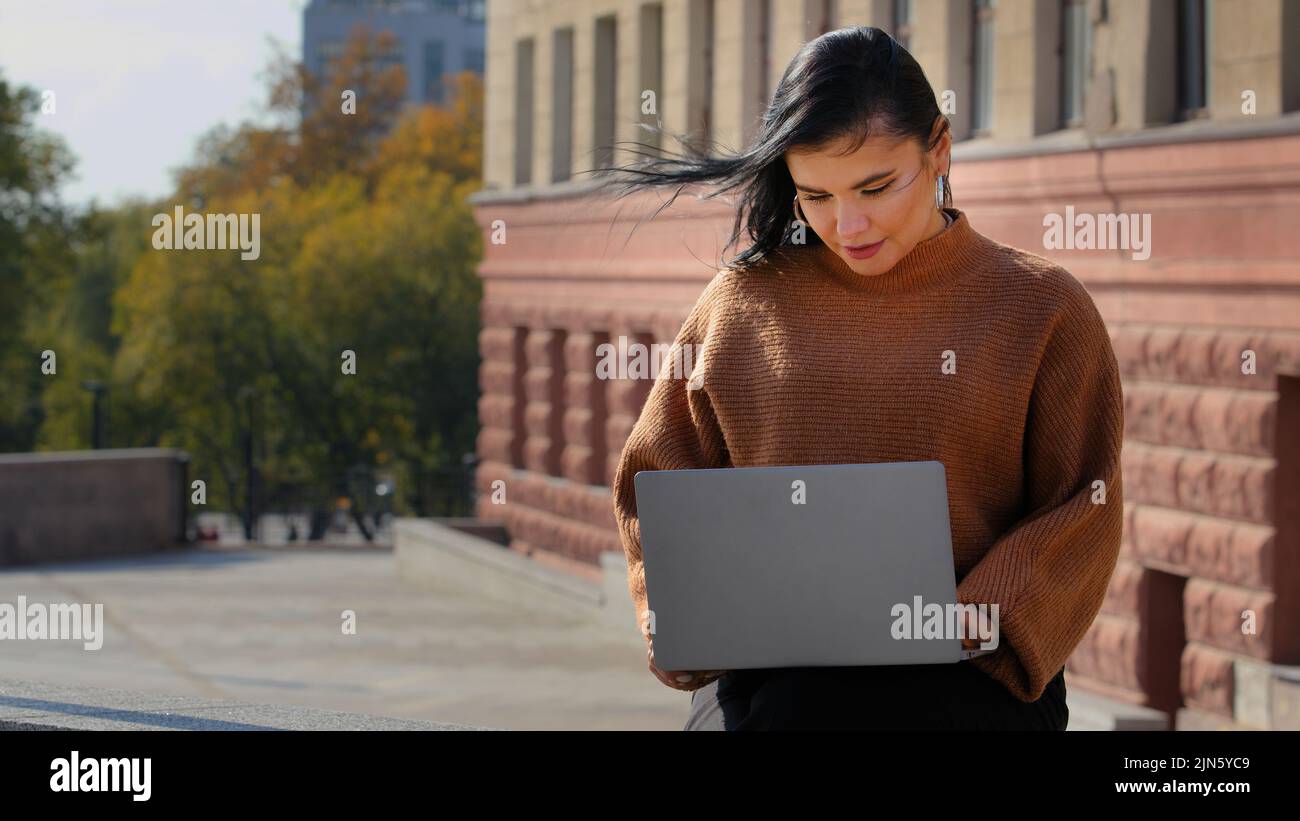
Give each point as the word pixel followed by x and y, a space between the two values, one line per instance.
pixel 796 565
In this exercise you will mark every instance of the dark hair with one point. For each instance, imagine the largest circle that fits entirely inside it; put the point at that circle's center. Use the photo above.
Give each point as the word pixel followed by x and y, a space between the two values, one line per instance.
pixel 851 82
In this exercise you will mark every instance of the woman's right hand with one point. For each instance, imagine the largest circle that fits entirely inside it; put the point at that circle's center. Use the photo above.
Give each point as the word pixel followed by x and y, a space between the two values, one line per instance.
pixel 681 679
pixel 676 679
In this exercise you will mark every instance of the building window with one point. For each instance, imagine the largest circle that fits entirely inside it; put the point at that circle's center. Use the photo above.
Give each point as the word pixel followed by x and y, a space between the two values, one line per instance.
pixel 606 81
pixel 327 53
pixel 706 89
pixel 1076 61
pixel 651 60
pixel 392 55
pixel 524 112
pixel 1193 80
pixel 699 69
pixel 764 46
pixel 903 23
pixel 562 106
pixel 472 58
pixel 820 19
pixel 433 68
pixel 982 65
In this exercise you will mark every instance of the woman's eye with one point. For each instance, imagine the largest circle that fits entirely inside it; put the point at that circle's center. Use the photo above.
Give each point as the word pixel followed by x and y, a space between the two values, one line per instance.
pixel 870 192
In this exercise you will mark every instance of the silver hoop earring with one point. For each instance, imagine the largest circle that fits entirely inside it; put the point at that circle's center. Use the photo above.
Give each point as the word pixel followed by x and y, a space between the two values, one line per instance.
pixel 938 192
pixel 798 215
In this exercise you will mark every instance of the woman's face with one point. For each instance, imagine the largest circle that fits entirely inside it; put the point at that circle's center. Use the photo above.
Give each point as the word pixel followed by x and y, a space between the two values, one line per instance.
pixel 873 205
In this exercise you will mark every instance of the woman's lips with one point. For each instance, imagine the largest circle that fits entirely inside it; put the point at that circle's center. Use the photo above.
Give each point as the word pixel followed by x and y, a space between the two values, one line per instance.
pixel 863 251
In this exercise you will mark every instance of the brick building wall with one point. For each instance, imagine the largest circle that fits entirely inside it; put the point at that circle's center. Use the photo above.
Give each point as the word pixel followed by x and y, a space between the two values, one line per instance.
pixel 1211 454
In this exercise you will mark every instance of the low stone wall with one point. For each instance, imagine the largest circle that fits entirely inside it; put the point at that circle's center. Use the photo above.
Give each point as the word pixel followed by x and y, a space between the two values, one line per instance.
pixel 62 506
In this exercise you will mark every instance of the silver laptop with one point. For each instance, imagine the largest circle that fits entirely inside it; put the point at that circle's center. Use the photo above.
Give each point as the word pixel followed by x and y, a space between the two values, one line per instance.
pixel 798 566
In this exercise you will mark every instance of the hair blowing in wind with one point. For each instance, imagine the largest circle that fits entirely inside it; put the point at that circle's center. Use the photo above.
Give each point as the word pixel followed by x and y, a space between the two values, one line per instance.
pixel 851 83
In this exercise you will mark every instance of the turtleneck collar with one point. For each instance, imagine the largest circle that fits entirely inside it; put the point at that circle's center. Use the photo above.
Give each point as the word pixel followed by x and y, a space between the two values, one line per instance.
pixel 940 259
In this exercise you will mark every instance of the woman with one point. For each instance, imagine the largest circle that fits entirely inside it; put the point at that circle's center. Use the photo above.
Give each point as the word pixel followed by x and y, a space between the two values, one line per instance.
pixel 869 322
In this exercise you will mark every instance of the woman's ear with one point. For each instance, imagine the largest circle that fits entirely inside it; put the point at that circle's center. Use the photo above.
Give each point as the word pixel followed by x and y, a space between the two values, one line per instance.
pixel 941 154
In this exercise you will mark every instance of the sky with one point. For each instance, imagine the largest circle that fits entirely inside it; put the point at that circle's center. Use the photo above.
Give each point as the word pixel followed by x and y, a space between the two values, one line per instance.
pixel 137 82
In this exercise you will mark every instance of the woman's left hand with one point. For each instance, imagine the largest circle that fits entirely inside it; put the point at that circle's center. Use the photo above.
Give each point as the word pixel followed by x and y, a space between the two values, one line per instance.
pixel 971 640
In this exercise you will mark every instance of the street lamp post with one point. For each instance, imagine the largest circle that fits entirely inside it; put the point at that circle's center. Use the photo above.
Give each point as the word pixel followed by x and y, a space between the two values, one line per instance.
pixel 248 393
pixel 97 390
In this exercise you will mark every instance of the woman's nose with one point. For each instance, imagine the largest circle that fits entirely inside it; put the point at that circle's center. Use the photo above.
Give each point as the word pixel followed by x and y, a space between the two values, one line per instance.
pixel 850 223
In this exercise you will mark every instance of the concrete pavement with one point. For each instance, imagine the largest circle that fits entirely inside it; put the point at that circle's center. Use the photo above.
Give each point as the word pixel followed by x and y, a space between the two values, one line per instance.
pixel 264 626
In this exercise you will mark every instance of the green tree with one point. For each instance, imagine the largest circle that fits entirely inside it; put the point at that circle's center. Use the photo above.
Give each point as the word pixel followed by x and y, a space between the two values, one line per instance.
pixel 103 248
pixel 367 245
pixel 34 229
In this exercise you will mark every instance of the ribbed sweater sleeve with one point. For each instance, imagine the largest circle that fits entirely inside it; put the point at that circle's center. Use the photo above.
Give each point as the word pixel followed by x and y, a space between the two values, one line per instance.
pixel 676 430
pixel 1049 572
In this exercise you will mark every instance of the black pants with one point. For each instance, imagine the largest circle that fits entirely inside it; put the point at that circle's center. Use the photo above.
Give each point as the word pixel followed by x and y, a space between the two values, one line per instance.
pixel 902 697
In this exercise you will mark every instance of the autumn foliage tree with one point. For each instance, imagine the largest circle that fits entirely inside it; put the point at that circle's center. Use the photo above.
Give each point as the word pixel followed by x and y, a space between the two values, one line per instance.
pixel 368 245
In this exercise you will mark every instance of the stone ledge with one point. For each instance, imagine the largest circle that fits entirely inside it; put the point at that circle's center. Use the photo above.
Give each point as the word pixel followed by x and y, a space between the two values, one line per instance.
pixel 1191 719
pixel 28 705
pixel 45 457
pixel 619 610
pixel 1091 711
pixel 430 553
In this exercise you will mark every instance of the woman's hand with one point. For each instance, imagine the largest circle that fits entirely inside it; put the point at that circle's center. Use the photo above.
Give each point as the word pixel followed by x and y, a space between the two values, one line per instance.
pixel 676 679
pixel 971 630
pixel 681 679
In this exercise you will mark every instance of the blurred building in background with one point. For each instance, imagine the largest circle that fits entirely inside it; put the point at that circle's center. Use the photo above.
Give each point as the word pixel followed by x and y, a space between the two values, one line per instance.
pixel 434 38
pixel 1182 109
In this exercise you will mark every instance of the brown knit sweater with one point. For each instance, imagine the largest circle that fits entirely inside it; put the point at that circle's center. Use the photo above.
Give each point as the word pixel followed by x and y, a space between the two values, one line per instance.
pixel 991 360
